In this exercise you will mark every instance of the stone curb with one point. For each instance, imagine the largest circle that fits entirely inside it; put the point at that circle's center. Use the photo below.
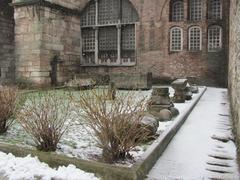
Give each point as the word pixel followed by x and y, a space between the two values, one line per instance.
pixel 150 157
pixel 107 171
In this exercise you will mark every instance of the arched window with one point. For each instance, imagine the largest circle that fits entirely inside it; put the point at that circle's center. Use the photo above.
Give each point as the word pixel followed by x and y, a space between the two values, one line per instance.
pixel 195 10
pixel 176 39
pixel 214 9
pixel 108 32
pixel 177 10
pixel 195 38
pixel 214 38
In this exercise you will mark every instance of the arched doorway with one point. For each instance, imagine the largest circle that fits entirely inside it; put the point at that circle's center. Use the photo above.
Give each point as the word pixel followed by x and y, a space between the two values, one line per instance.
pixel 108 33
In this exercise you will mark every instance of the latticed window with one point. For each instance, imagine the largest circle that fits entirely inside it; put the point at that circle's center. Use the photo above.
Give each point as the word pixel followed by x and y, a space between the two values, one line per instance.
pixel 176 39
pixel 177 11
pixel 214 38
pixel 195 38
pixel 108 32
pixel 215 9
pixel 195 10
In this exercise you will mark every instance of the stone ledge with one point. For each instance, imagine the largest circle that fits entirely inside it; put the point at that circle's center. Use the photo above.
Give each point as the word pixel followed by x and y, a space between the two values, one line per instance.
pixel 45 3
pixel 107 171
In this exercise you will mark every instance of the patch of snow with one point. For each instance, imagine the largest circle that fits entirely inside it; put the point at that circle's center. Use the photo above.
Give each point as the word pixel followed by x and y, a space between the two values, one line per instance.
pixel 78 141
pixel 30 168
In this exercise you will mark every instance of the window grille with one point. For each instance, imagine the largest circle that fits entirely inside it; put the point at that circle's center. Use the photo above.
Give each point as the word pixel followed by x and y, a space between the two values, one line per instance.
pixel 177 11
pixel 110 39
pixel 89 16
pixel 128 37
pixel 176 39
pixel 129 15
pixel 214 38
pixel 215 10
pixel 195 39
pixel 108 11
pixel 88 38
pixel 195 10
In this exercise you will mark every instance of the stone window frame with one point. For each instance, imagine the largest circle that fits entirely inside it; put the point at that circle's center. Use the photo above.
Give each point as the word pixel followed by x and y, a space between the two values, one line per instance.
pixel 177 13
pixel 180 42
pixel 194 43
pixel 195 10
pixel 215 10
pixel 123 57
pixel 215 43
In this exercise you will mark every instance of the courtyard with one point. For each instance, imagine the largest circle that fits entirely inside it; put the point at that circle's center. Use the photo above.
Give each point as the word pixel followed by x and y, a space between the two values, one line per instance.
pixel 119 89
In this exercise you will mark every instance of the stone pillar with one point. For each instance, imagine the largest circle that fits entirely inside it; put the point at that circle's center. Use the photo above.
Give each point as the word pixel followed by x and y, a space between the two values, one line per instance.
pixel 159 100
pixel 28 33
pixel 179 86
pixel 43 31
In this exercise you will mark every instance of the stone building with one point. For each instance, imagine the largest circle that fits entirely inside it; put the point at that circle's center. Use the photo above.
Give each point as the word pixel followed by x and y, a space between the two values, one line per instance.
pixel 53 40
pixel 234 66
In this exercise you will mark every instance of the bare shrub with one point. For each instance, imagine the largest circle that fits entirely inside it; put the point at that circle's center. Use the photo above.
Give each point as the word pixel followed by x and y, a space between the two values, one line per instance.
pixel 116 123
pixel 46 117
pixel 8 104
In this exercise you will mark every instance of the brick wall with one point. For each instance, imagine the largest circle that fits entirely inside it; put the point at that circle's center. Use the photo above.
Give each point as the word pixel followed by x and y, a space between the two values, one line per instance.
pixel 6 43
pixel 153 53
pixel 234 65
pixel 152 43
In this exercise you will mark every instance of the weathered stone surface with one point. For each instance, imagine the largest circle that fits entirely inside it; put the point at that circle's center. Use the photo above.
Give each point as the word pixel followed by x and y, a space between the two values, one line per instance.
pixel 194 89
pixel 132 81
pixel 179 86
pixel 188 93
pixel 234 70
pixel 174 111
pixel 149 122
pixel 164 115
pixel 81 83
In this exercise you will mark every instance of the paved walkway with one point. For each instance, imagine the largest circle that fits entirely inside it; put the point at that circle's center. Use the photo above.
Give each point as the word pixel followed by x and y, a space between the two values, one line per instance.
pixel 203 147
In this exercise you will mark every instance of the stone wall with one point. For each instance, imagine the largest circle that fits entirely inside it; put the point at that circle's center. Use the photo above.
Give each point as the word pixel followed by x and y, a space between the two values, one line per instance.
pixel 234 65
pixel 6 42
pixel 41 34
pixel 49 36
pixel 61 37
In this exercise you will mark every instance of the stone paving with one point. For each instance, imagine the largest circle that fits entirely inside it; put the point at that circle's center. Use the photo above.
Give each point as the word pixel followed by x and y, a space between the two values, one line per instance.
pixel 203 148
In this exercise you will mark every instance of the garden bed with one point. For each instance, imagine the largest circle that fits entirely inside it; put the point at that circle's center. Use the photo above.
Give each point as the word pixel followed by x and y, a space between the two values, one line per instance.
pixel 79 148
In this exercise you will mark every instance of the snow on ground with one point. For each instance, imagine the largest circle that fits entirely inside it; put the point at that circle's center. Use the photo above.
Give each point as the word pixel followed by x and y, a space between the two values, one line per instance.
pixel 78 142
pixel 203 147
pixel 29 168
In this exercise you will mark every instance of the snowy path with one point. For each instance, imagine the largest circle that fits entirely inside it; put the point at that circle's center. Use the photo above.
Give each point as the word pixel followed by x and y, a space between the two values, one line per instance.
pixel 202 148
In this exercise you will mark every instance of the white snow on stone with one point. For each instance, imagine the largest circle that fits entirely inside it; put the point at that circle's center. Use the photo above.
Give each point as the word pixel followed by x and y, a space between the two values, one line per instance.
pixel 195 152
pixel 30 168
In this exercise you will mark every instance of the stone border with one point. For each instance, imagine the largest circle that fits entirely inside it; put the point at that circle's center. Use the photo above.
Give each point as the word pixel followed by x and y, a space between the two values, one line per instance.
pixel 107 171
pixel 150 157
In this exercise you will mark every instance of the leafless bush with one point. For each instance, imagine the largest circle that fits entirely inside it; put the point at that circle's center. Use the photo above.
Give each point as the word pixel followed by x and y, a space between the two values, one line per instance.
pixel 115 123
pixel 46 117
pixel 8 104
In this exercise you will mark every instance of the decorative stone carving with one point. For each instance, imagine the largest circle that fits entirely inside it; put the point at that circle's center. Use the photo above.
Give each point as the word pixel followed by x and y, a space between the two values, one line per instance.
pixel 161 105
pixel 179 86
pixel 188 93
